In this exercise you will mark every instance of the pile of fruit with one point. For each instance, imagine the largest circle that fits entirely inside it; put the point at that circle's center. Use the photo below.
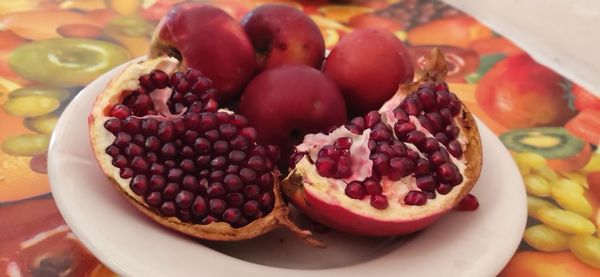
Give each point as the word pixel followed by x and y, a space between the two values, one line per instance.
pixel 562 206
pixel 224 119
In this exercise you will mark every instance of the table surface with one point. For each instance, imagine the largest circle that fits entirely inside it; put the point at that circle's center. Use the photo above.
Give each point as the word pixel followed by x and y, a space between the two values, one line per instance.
pixel 497 80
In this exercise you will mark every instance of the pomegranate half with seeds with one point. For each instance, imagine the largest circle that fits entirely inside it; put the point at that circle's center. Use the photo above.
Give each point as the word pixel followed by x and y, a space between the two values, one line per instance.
pixel 160 137
pixel 393 171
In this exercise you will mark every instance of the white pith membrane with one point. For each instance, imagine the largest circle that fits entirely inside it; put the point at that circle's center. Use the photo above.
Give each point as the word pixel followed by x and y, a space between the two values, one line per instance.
pixel 102 138
pixel 332 191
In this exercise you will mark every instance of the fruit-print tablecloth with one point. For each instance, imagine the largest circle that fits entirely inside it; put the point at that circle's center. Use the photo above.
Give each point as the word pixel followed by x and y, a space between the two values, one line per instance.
pixel 50 49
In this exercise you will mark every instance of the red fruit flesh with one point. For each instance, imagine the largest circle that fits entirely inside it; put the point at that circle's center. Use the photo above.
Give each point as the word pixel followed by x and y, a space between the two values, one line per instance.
pixel 403 177
pixel 188 168
pixel 227 58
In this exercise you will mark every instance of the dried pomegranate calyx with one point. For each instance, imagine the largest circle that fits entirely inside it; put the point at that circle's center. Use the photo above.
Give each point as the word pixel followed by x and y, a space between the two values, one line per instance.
pixel 159 136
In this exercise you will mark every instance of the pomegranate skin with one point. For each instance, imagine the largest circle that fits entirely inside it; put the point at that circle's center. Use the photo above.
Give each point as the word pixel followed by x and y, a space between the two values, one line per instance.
pixel 345 220
pixel 226 57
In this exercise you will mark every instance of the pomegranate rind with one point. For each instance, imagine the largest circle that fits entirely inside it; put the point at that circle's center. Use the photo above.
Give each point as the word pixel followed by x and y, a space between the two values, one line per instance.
pixel 307 191
pixel 100 139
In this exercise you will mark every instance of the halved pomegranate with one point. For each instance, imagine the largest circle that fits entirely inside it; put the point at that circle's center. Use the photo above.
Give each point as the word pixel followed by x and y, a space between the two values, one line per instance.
pixel 159 137
pixel 393 171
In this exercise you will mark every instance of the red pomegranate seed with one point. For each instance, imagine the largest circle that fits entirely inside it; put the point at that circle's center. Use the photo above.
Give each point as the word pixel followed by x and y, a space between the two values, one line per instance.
pixel 446 116
pixel 187 152
pixel 325 167
pixel 452 131
pixel 426 183
pixel 442 99
pixel 267 200
pixel 443 188
pixel 215 189
pixel 169 164
pixel 220 147
pixel 152 143
pixel 372 187
pixel 139 165
pixel 217 206
pixel 427 98
pixel 159 78
pixel 446 172
pixel 187 165
pixel 142 104
pixel 437 158
pixel 113 151
pixel 411 106
pixel 201 85
pixel 259 150
pixel 379 201
pixel 208 121
pixel 151 157
pixel 399 148
pixel 249 133
pixel 122 139
pixel 217 175
pixel 400 167
pixel 170 191
pixel 165 131
pixel 120 111
pixel 190 183
pixel 146 82
pixel 295 158
pixel 113 125
pixel 354 129
pixel 415 137
pixel 468 203
pixel 372 118
pixel 458 179
pixel 168 151
pixel 256 163
pixel 386 149
pixel 232 169
pixel 436 120
pixel 158 169
pixel 400 115
pixel 423 167
pixel 227 131
pixel 415 198
pixel 328 151
pixel 199 208
pixel 232 183
pixel 380 134
pixel 380 163
pixel 235 199
pixel 126 173
pixel 232 216
pixel 251 191
pixel 218 162
pixel 455 104
pixel 273 152
pixel 441 137
pixel 175 175
pixel 154 199
pixel 184 199
pixel 355 190
pixel 430 145
pixel 139 184
pixel 149 127
pixel 208 219
pixel 412 155
pixel 133 149
pixel 266 181
pixel 211 106
pixel 247 175
pixel 168 209
pixel 251 208
pixel 343 142
pixel 401 129
pixel 239 143
pixel 427 123
pixel 182 86
pixel 157 182
pixel 455 148
pixel 343 166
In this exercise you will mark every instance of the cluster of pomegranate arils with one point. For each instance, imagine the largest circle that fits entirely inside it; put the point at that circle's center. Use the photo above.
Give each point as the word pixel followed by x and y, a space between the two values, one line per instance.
pixel 200 165
pixel 403 150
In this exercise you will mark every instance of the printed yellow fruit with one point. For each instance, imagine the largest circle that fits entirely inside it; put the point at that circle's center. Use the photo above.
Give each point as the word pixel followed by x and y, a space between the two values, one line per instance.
pixel 26 145
pixel 125 8
pixel 592 165
pixel 586 248
pixel 566 221
pixel 572 201
pixel 546 238
pixel 536 203
pixel 42 124
pixel 533 160
pixel 568 185
pixel 546 172
pixel 577 177
pixel 536 185
pixel 523 169
pixel 30 106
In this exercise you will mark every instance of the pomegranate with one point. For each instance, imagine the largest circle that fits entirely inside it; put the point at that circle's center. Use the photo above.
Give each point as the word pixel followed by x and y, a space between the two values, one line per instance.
pixel 160 137
pixel 392 171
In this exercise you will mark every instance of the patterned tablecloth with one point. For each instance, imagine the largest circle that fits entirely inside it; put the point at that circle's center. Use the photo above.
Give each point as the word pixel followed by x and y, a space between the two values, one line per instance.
pixel 50 49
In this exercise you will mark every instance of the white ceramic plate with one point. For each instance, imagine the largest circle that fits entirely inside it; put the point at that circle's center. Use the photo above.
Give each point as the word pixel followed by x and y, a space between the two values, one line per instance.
pixel 475 243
